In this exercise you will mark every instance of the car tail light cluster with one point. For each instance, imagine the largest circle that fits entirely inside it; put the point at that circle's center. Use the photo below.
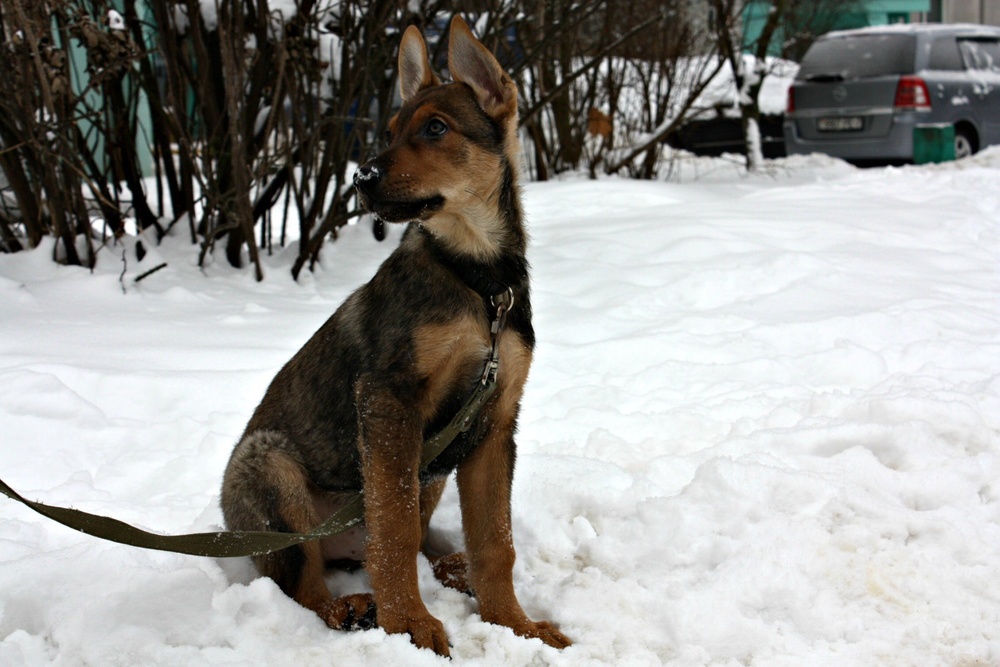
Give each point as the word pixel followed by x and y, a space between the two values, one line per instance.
pixel 790 106
pixel 912 93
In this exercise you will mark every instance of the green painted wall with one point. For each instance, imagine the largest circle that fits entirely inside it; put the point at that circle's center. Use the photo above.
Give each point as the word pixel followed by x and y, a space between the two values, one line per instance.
pixel 80 80
pixel 864 13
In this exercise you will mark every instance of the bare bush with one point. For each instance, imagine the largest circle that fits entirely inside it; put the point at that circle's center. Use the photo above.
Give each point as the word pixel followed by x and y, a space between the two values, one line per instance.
pixel 259 109
pixel 250 106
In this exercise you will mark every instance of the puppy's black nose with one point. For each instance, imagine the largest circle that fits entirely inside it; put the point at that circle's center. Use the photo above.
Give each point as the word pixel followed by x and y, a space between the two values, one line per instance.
pixel 366 175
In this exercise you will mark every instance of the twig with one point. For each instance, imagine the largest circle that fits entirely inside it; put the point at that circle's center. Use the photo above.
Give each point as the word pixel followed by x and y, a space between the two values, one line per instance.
pixel 150 272
pixel 121 276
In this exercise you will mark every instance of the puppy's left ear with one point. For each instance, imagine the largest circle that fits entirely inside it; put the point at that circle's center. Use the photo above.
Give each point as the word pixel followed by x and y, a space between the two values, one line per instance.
pixel 471 63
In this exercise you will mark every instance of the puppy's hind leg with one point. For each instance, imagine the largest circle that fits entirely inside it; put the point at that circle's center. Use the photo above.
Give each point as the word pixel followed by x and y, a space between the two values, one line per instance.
pixel 264 488
pixel 451 569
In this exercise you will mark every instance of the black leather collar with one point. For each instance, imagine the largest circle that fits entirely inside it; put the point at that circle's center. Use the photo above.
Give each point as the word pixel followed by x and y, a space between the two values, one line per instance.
pixel 478 276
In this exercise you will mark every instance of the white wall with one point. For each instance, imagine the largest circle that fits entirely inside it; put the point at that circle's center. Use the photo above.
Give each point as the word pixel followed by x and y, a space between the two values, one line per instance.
pixel 970 11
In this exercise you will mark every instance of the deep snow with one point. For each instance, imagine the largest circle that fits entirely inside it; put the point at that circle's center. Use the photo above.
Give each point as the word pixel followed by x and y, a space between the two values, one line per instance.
pixel 762 428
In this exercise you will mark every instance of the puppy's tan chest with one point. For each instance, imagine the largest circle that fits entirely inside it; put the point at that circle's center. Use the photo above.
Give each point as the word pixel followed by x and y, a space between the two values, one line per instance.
pixel 445 352
pixel 455 352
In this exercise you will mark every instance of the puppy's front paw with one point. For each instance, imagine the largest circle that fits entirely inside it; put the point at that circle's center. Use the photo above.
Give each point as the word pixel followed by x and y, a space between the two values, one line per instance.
pixel 545 631
pixel 425 631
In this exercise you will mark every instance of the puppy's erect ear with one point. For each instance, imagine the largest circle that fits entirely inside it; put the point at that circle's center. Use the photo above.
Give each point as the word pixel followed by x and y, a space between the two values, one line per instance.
pixel 471 63
pixel 415 72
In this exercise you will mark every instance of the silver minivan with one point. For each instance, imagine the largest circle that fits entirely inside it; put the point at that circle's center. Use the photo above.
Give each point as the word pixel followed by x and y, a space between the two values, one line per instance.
pixel 859 94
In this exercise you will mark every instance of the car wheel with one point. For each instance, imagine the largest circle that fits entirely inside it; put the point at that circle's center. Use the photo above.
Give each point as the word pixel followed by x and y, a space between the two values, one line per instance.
pixel 965 143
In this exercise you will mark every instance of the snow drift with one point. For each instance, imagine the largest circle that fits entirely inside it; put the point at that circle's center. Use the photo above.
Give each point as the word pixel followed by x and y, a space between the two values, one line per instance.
pixel 762 427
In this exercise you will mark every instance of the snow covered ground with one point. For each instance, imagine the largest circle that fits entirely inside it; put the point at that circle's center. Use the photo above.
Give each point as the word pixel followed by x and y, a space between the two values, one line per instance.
pixel 762 428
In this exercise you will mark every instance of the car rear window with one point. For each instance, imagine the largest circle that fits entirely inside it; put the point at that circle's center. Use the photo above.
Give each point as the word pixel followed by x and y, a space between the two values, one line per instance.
pixel 981 54
pixel 858 57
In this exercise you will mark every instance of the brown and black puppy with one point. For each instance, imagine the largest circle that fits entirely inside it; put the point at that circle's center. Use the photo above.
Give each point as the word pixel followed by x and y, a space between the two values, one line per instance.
pixel 352 408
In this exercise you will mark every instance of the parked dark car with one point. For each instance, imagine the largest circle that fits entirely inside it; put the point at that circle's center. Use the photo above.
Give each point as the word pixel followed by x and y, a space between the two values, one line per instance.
pixel 718 136
pixel 859 94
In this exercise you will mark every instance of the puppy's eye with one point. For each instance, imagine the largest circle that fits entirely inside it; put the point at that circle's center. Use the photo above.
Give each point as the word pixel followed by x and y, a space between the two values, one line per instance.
pixel 435 128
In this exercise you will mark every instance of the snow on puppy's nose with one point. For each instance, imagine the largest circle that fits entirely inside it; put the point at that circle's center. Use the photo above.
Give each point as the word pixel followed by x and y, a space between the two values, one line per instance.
pixel 366 173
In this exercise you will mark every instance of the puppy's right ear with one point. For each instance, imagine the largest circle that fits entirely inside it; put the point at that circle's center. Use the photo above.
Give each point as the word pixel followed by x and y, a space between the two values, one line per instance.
pixel 415 72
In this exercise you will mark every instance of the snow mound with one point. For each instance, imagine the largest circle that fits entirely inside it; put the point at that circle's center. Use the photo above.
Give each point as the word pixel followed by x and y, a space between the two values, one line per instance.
pixel 762 427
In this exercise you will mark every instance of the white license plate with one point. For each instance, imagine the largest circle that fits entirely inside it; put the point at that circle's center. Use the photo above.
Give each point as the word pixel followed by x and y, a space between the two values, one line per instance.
pixel 840 124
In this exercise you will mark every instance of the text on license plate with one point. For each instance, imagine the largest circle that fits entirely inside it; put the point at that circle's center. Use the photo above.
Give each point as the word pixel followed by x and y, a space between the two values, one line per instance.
pixel 840 124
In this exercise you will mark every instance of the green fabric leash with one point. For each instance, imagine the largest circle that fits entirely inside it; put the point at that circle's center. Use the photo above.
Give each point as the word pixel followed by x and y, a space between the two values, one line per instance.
pixel 230 544
pixel 223 544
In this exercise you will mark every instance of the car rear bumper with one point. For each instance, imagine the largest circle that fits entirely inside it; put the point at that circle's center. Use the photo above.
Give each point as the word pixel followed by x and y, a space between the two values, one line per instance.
pixel 896 144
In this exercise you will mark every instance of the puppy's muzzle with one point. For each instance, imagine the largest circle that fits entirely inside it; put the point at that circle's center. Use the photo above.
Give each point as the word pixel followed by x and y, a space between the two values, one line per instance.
pixel 393 199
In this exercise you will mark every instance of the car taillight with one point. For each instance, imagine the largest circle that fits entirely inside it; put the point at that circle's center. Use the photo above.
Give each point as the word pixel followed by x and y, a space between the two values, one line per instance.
pixel 912 93
pixel 790 106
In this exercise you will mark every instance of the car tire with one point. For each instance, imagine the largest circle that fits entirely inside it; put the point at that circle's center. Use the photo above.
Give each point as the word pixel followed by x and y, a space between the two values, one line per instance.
pixel 965 142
